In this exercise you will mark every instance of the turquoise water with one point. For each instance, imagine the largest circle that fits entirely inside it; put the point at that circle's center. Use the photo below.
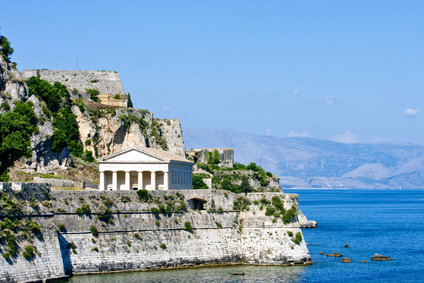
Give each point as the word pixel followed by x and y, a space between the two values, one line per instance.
pixel 385 222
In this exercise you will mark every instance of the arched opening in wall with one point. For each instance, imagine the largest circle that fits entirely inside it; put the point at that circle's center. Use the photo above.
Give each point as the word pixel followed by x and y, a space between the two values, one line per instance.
pixel 197 203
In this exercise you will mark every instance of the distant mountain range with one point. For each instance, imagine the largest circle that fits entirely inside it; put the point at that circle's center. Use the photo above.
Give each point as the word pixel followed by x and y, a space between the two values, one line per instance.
pixel 313 163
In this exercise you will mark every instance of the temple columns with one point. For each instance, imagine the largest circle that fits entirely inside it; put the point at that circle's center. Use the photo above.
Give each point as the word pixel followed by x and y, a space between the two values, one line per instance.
pixel 114 180
pixel 127 180
pixel 102 181
pixel 165 181
pixel 140 180
pixel 153 180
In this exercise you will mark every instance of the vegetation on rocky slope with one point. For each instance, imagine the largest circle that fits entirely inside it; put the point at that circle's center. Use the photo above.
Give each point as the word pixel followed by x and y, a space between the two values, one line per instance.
pixel 238 179
pixel 15 131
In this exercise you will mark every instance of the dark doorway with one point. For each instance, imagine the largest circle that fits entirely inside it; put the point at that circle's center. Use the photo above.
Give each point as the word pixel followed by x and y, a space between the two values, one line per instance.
pixel 197 203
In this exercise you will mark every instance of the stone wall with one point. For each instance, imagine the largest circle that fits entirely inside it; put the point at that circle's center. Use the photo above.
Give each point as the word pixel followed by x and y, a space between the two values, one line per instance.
pixel 47 266
pixel 107 82
pixel 226 156
pixel 66 183
pixel 134 238
pixel 27 191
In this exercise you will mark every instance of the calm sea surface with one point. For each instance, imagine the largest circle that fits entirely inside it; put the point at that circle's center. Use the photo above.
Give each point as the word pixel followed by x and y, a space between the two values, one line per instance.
pixel 376 221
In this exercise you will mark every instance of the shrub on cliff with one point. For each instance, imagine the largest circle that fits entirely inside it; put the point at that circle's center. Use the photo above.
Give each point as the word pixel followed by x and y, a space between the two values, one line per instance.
pixel 84 209
pixel 88 156
pixel 198 183
pixel 94 231
pixel 298 238
pixel 28 253
pixel 144 196
pixel 278 203
pixel 104 213
pixel 93 94
pixel 289 215
pixel 270 211
pixel 187 226
pixel 241 203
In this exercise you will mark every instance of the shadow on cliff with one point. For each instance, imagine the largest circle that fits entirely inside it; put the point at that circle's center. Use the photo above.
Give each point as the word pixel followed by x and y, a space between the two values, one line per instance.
pixel 65 250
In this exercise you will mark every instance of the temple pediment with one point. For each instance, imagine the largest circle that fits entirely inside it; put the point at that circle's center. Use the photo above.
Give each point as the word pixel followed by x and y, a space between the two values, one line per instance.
pixel 133 156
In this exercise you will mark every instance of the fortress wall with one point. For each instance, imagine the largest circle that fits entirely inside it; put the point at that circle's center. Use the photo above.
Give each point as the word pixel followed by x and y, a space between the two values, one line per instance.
pixel 107 82
pixel 27 191
pixel 48 265
pixel 139 239
pixel 226 156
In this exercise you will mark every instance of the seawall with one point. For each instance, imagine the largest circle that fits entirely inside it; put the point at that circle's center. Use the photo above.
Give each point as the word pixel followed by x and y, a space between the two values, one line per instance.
pixel 128 236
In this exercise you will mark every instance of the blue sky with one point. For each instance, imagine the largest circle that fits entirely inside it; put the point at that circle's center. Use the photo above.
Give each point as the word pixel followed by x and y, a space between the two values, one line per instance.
pixel 349 71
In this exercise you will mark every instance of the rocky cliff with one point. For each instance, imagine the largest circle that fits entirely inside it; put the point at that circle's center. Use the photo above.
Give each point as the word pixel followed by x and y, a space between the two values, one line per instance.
pixel 93 232
pixel 102 129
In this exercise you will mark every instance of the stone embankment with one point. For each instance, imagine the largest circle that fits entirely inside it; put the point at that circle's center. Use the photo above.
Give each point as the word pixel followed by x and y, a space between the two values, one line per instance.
pixel 93 232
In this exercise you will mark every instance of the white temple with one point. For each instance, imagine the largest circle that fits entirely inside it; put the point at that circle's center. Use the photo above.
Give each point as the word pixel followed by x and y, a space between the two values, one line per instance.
pixel 136 168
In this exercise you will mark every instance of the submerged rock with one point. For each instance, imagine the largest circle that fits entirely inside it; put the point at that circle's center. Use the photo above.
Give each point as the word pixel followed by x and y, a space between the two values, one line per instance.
pixel 330 254
pixel 378 257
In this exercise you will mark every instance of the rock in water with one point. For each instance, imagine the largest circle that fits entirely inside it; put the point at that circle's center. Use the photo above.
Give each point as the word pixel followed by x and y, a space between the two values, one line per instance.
pixel 346 260
pixel 378 257
pixel 330 255
pixel 364 261
pixel 346 246
pixel 336 254
pixel 321 253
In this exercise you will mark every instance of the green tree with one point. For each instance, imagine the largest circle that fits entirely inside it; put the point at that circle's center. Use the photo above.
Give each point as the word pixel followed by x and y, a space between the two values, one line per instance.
pixel 6 50
pixel 25 109
pixel 198 183
pixel 130 104
pixel 54 96
pixel 245 187
pixel 66 133
pixel 216 158
pixel 15 133
pixel 93 94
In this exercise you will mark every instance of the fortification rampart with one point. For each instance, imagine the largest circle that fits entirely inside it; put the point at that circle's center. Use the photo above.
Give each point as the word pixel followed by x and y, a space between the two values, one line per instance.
pixel 66 183
pixel 226 155
pixel 131 234
pixel 27 191
pixel 108 83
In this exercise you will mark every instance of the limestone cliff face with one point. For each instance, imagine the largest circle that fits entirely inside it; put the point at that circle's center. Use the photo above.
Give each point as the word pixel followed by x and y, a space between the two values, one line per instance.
pixel 102 129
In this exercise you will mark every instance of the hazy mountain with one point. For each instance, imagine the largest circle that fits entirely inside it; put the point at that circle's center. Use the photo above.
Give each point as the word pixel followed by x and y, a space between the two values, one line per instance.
pixel 308 162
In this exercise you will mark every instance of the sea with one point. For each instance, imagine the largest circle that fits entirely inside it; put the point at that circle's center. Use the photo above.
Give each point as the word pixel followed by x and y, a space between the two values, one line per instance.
pixel 387 222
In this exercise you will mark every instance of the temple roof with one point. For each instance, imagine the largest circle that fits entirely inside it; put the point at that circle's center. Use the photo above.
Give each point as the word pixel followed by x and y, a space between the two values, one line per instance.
pixel 137 154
